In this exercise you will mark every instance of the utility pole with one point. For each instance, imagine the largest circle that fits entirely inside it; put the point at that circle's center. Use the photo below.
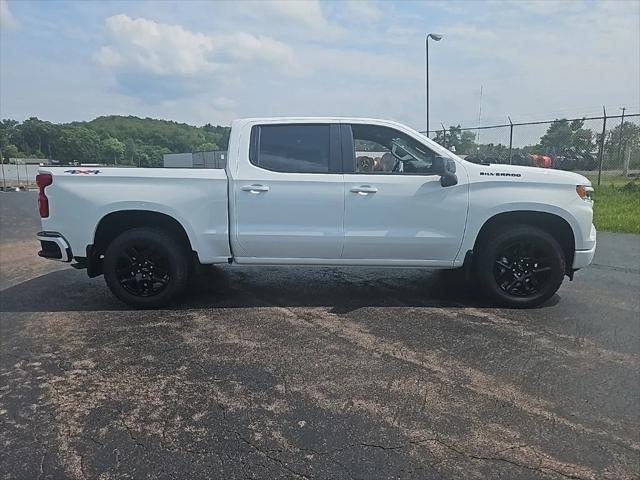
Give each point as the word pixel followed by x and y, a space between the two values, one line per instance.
pixel 621 128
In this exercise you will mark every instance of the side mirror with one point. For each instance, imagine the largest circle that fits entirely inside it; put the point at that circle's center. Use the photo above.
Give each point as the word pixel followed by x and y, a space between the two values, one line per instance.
pixel 446 169
pixel 438 165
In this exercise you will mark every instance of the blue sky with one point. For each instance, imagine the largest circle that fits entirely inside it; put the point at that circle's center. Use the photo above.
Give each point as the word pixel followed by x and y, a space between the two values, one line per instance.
pixel 210 62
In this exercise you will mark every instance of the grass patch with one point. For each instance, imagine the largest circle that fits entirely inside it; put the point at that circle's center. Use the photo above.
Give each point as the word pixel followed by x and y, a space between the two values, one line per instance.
pixel 617 204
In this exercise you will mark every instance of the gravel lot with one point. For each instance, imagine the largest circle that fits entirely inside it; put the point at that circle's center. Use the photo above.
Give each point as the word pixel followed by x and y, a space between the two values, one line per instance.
pixel 315 373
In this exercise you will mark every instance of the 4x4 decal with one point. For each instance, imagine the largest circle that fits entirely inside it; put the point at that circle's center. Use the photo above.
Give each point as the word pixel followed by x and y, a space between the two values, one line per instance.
pixel 82 172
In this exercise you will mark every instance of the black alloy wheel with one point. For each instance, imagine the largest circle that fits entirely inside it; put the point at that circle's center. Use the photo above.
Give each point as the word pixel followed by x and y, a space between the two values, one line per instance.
pixel 146 267
pixel 521 269
pixel 142 270
pixel 520 266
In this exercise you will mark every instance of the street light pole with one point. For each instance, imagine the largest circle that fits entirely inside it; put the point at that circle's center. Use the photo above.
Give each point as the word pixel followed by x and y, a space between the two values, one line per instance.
pixel 436 37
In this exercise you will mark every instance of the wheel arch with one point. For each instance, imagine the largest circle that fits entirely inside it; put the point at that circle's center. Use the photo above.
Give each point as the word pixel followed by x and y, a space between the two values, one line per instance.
pixel 553 224
pixel 114 223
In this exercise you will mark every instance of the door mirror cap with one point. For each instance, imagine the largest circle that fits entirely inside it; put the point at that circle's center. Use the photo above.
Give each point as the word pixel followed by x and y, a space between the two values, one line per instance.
pixel 442 165
pixel 449 179
pixel 446 168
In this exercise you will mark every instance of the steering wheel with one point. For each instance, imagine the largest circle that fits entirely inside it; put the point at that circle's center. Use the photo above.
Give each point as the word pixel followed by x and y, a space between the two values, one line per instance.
pixel 402 157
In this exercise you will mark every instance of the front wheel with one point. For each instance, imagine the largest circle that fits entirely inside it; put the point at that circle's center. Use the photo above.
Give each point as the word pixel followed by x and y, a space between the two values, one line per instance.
pixel 520 267
pixel 145 268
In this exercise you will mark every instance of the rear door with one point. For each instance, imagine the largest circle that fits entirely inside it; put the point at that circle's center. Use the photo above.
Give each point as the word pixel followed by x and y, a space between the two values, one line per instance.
pixel 396 210
pixel 289 194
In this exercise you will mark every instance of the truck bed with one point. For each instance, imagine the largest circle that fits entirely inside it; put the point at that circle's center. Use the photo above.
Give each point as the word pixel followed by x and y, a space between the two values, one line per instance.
pixel 80 197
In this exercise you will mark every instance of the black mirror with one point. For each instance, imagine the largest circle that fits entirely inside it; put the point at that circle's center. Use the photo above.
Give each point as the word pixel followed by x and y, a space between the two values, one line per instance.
pixel 438 166
pixel 446 169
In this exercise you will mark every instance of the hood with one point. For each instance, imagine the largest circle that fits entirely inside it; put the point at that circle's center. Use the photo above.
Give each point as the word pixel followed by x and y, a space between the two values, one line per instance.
pixel 532 174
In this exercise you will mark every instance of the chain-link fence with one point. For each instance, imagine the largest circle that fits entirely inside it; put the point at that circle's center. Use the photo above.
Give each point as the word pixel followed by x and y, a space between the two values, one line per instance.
pixel 609 144
pixel 17 174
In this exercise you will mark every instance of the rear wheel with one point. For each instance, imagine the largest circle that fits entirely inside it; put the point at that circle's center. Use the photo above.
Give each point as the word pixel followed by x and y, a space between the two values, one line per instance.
pixel 146 268
pixel 522 266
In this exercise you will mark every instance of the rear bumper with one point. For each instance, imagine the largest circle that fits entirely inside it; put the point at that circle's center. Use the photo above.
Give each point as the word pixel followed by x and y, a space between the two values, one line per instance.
pixel 54 247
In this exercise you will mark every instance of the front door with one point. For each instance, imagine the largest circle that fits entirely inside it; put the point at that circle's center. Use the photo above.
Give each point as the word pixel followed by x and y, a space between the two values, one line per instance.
pixel 289 196
pixel 396 210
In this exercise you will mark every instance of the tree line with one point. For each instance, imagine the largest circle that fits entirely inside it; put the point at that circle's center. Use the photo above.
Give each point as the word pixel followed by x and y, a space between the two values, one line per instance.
pixel 114 140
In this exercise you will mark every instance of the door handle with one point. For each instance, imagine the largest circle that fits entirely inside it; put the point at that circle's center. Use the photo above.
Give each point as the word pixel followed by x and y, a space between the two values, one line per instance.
pixel 255 188
pixel 364 190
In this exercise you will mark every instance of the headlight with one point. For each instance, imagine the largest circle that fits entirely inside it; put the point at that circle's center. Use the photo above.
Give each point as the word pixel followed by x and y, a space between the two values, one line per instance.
pixel 585 192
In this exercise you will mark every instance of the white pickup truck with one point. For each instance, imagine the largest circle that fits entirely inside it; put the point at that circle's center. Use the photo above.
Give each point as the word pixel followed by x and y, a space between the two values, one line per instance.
pixel 321 191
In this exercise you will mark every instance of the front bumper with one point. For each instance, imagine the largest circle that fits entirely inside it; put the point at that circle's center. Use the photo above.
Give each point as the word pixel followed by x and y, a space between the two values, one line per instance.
pixel 582 258
pixel 54 247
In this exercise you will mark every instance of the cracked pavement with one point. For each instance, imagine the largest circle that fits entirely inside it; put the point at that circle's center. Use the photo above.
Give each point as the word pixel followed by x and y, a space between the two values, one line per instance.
pixel 327 373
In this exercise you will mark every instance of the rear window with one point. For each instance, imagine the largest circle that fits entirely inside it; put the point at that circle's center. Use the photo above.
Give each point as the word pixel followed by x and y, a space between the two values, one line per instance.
pixel 291 148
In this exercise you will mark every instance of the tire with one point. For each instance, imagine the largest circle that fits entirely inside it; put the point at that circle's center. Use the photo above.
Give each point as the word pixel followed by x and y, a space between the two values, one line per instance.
pixel 521 266
pixel 146 268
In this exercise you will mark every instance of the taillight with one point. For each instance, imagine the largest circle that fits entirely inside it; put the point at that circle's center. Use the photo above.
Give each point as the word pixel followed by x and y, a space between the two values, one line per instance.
pixel 43 180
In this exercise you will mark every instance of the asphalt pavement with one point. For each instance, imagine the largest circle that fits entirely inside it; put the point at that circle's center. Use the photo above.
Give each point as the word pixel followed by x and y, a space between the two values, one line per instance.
pixel 315 373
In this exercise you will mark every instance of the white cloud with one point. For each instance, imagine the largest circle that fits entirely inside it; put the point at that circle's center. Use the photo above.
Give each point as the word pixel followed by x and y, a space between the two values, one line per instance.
pixel 109 57
pixel 362 11
pixel 223 103
pixel 470 33
pixel 306 14
pixel 7 20
pixel 163 49
pixel 550 7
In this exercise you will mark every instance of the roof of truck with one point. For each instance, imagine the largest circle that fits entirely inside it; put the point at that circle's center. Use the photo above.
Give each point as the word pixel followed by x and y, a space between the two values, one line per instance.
pixel 322 119
pixel 375 121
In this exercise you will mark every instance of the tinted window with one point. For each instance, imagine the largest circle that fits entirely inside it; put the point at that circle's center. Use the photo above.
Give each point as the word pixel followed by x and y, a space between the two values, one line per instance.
pixel 291 148
pixel 387 151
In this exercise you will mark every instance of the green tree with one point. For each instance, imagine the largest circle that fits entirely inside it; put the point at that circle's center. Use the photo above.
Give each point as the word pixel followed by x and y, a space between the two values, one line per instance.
pixel 463 142
pixel 112 149
pixel 568 138
pixel 152 155
pixel 9 132
pixel 36 135
pixel 630 138
pixel 76 143
pixel 130 151
pixel 207 147
pixel 10 151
